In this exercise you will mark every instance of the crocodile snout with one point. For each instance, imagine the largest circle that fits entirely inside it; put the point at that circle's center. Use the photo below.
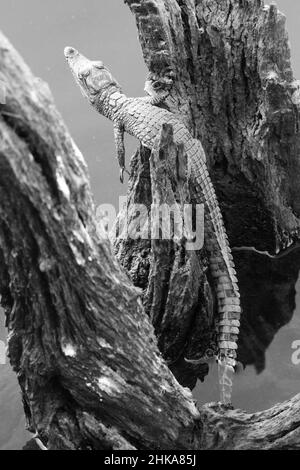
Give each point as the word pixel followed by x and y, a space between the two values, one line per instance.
pixel 70 52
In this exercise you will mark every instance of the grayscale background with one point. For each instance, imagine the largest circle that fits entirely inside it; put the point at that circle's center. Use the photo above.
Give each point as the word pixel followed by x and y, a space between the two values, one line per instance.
pixel 101 29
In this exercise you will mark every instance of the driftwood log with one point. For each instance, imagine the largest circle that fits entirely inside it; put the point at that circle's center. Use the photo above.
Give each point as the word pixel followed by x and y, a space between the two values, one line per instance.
pixel 91 341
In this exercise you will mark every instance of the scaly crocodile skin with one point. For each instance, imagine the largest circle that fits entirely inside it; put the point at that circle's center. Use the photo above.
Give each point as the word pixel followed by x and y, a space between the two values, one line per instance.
pixel 141 119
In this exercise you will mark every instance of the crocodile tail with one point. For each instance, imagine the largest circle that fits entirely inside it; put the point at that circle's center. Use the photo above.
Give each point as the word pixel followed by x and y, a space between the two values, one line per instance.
pixel 227 293
pixel 223 273
pixel 229 312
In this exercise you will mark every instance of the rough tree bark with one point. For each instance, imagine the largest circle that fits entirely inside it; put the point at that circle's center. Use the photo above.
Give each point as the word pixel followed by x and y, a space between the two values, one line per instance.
pixel 80 340
pixel 226 64
pixel 85 354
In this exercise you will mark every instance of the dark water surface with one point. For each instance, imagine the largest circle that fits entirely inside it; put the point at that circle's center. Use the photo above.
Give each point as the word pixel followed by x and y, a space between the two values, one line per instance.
pixel 270 293
pixel 12 423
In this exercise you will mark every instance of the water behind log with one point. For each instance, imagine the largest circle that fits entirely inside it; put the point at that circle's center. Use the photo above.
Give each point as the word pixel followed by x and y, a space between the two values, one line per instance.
pixel 270 334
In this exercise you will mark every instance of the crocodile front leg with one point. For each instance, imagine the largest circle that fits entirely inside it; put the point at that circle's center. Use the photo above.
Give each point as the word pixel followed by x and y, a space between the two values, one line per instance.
pixel 120 147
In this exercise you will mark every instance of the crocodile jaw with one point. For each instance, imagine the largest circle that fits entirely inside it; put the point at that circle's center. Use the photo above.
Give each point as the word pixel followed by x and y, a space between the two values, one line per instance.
pixel 91 76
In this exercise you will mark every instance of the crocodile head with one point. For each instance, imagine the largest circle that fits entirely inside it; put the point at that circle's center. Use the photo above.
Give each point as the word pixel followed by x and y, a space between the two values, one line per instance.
pixel 92 76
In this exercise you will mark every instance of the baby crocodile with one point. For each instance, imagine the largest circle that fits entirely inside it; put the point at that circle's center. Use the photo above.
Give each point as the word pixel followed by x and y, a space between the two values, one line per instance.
pixel 143 119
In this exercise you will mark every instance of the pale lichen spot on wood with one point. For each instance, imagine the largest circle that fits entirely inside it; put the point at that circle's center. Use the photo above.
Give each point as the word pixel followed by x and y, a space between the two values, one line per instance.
pixel 272 75
pixel 35 97
pixel 69 350
pixel 61 181
pixel 87 238
pixel 80 259
pixel 62 185
pixel 108 386
pixel 82 235
pixel 104 344
pixel 78 154
pixel 46 264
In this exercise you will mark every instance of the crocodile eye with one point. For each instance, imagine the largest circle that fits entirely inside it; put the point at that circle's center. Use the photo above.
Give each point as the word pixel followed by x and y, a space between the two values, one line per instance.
pixel 156 85
pixel 98 64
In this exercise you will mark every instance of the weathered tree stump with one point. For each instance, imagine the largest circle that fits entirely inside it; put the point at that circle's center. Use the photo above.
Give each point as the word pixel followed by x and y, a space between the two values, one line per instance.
pixel 226 66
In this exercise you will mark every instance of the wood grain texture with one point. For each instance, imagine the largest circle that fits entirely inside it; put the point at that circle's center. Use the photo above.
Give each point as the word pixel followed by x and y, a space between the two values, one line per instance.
pixel 79 340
